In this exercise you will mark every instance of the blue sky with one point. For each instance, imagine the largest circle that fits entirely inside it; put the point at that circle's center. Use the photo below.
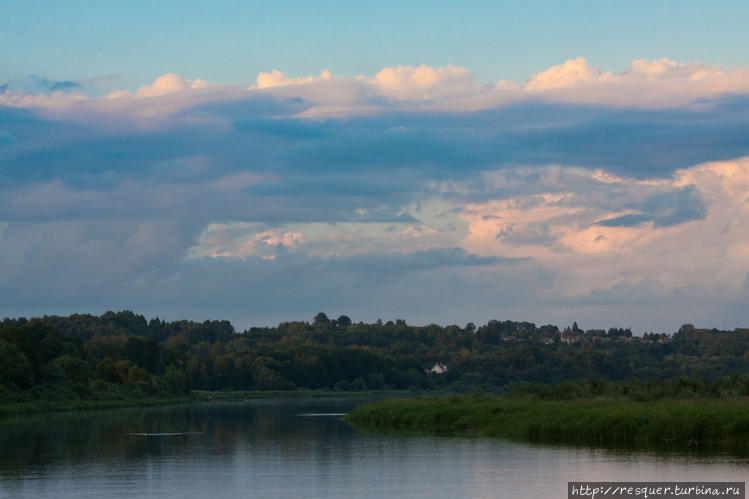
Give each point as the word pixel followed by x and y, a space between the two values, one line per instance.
pixel 231 41
pixel 437 162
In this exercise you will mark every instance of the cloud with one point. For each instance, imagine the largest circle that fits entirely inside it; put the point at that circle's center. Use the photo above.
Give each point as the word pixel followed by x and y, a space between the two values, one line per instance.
pixel 596 233
pixel 569 74
pixel 276 79
pixel 631 220
pixel 413 190
pixel 6 138
pixel 425 82
pixel 664 209
pixel 55 86
pixel 578 71
pixel 653 67
pixel 167 84
pixel 35 83
pixel 238 240
pixel 646 83
pixel 421 76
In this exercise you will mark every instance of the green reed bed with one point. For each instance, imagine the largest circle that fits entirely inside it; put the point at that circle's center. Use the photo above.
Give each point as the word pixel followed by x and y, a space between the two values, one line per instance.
pixel 714 424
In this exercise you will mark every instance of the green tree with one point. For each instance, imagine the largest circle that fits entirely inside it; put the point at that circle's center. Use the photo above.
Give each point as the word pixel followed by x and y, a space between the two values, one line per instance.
pixel 321 319
pixel 73 370
pixel 15 368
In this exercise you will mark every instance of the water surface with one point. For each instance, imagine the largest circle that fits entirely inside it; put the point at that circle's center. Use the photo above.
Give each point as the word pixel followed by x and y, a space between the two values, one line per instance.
pixel 299 448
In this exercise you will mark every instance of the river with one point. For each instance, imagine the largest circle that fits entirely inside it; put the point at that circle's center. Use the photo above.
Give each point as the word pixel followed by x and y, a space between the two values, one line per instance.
pixel 299 447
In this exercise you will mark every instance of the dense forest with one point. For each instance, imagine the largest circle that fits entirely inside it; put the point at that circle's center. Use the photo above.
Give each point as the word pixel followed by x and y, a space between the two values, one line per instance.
pixel 121 354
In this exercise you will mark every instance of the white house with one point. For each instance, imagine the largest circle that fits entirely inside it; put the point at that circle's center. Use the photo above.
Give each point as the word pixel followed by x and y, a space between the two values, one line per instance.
pixel 439 368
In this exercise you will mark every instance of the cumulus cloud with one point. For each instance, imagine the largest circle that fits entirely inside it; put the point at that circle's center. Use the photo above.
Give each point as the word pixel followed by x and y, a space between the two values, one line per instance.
pixel 276 79
pixel 167 84
pixel 653 67
pixel 568 74
pixel 578 71
pixel 421 76
pixel 659 83
pixel 646 83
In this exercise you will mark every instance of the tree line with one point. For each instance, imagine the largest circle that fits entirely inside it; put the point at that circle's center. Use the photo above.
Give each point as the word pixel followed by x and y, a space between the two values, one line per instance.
pixel 121 354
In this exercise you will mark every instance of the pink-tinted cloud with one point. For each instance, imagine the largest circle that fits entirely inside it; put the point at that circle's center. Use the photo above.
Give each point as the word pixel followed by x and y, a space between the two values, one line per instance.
pixel 276 79
pixel 617 229
pixel 646 83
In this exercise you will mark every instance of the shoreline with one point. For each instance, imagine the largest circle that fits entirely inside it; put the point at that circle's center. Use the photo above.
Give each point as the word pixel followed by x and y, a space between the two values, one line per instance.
pixel 46 406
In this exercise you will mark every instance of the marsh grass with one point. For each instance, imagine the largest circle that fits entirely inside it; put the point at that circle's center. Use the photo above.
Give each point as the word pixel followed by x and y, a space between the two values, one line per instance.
pixel 691 424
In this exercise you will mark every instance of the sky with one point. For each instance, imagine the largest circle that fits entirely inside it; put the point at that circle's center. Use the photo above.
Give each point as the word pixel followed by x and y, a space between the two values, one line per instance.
pixel 438 162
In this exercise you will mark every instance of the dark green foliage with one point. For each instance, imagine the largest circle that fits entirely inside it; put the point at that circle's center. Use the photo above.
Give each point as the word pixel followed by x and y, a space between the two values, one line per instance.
pixel 321 319
pixel 15 368
pixel 73 370
pixel 123 353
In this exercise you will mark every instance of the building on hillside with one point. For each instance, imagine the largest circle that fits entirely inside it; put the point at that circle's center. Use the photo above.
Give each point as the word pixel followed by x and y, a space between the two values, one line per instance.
pixel 568 337
pixel 439 368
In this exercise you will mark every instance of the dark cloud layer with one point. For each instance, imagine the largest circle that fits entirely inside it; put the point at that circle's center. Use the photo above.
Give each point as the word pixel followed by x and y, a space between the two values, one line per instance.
pixel 638 143
pixel 664 209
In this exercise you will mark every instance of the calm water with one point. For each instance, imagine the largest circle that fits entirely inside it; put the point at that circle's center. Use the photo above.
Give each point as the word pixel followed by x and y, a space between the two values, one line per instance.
pixel 297 448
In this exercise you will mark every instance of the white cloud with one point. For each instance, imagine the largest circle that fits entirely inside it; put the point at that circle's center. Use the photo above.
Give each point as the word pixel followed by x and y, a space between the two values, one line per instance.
pixel 568 74
pixel 409 77
pixel 55 102
pixel 169 83
pixel 420 231
pixel 240 240
pixel 653 67
pixel 118 94
pixel 447 87
pixel 574 72
pixel 163 85
pixel 658 83
pixel 273 238
pixel 646 83
pixel 277 79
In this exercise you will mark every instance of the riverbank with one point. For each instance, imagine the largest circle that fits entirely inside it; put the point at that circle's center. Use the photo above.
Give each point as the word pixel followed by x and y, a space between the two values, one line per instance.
pixel 197 396
pixel 44 406
pixel 686 424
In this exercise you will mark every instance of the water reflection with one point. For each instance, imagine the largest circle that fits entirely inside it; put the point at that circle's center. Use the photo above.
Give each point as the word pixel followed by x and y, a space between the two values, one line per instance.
pixel 295 448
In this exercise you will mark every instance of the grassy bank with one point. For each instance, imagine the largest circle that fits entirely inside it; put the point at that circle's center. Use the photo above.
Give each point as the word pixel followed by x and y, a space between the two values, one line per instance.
pixel 38 406
pixel 75 404
pixel 239 395
pixel 702 424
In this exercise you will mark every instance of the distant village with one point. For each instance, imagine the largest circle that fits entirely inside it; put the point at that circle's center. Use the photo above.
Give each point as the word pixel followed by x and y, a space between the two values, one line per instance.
pixel 526 332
